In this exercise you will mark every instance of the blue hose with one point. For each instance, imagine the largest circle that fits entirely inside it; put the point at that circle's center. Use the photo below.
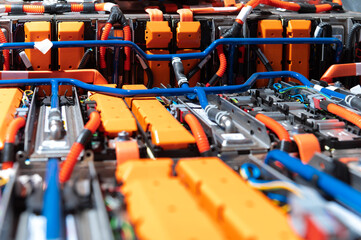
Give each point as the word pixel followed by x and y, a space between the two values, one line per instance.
pixel 200 91
pixel 54 99
pixel 340 191
pixel 52 201
pixel 183 56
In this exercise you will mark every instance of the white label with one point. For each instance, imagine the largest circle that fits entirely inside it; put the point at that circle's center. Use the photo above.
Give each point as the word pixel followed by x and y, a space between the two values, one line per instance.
pixel 43 46
pixel 108 6
pixel 317 87
pixel 358 69
pixel 25 59
pixel 233 136
pixel 243 14
pixel 333 88
pixel 225 9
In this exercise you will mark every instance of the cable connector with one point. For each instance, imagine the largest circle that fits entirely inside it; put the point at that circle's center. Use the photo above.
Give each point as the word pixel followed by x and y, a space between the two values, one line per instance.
pixel 179 71
pixel 234 32
pixel 116 16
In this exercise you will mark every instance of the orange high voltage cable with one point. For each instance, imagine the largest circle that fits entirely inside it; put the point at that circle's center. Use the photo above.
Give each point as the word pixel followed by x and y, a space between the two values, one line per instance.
pixel 6 65
pixel 89 129
pixel 105 35
pixel 198 133
pixel 277 128
pixel 11 132
pixel 341 70
pixel 342 112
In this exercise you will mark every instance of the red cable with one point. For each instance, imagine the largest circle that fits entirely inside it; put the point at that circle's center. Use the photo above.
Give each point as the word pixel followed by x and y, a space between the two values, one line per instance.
pixel 69 164
pixel 105 35
pixel 198 133
pixel 6 65
pixel 127 37
pixel 277 128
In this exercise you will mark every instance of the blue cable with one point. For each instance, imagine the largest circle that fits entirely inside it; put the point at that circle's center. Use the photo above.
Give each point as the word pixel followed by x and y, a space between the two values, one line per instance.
pixel 52 201
pixel 277 85
pixel 277 197
pixel 200 91
pixel 337 189
pixel 183 56
pixel 300 96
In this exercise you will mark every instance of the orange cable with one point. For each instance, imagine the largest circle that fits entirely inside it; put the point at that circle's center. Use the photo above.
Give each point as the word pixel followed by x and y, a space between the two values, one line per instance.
pixel 105 35
pixel 198 133
pixel 345 114
pixel 127 37
pixel 77 147
pixel 6 65
pixel 276 127
pixel 13 129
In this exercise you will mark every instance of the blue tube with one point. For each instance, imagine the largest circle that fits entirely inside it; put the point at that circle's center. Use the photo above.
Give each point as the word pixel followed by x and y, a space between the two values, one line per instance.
pixel 52 201
pixel 189 96
pixel 54 100
pixel 200 91
pixel 202 97
pixel 340 191
pixel 333 93
pixel 183 56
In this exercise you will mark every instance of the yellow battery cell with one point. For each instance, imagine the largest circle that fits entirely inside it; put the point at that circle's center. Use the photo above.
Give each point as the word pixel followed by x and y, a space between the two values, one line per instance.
pixel 69 58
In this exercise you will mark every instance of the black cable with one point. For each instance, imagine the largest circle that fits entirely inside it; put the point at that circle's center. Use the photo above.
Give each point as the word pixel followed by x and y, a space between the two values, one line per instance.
pixel 147 70
pixel 351 41
pixel 85 59
pixel 265 62
pixel 198 67
pixel 323 29
pixel 149 73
